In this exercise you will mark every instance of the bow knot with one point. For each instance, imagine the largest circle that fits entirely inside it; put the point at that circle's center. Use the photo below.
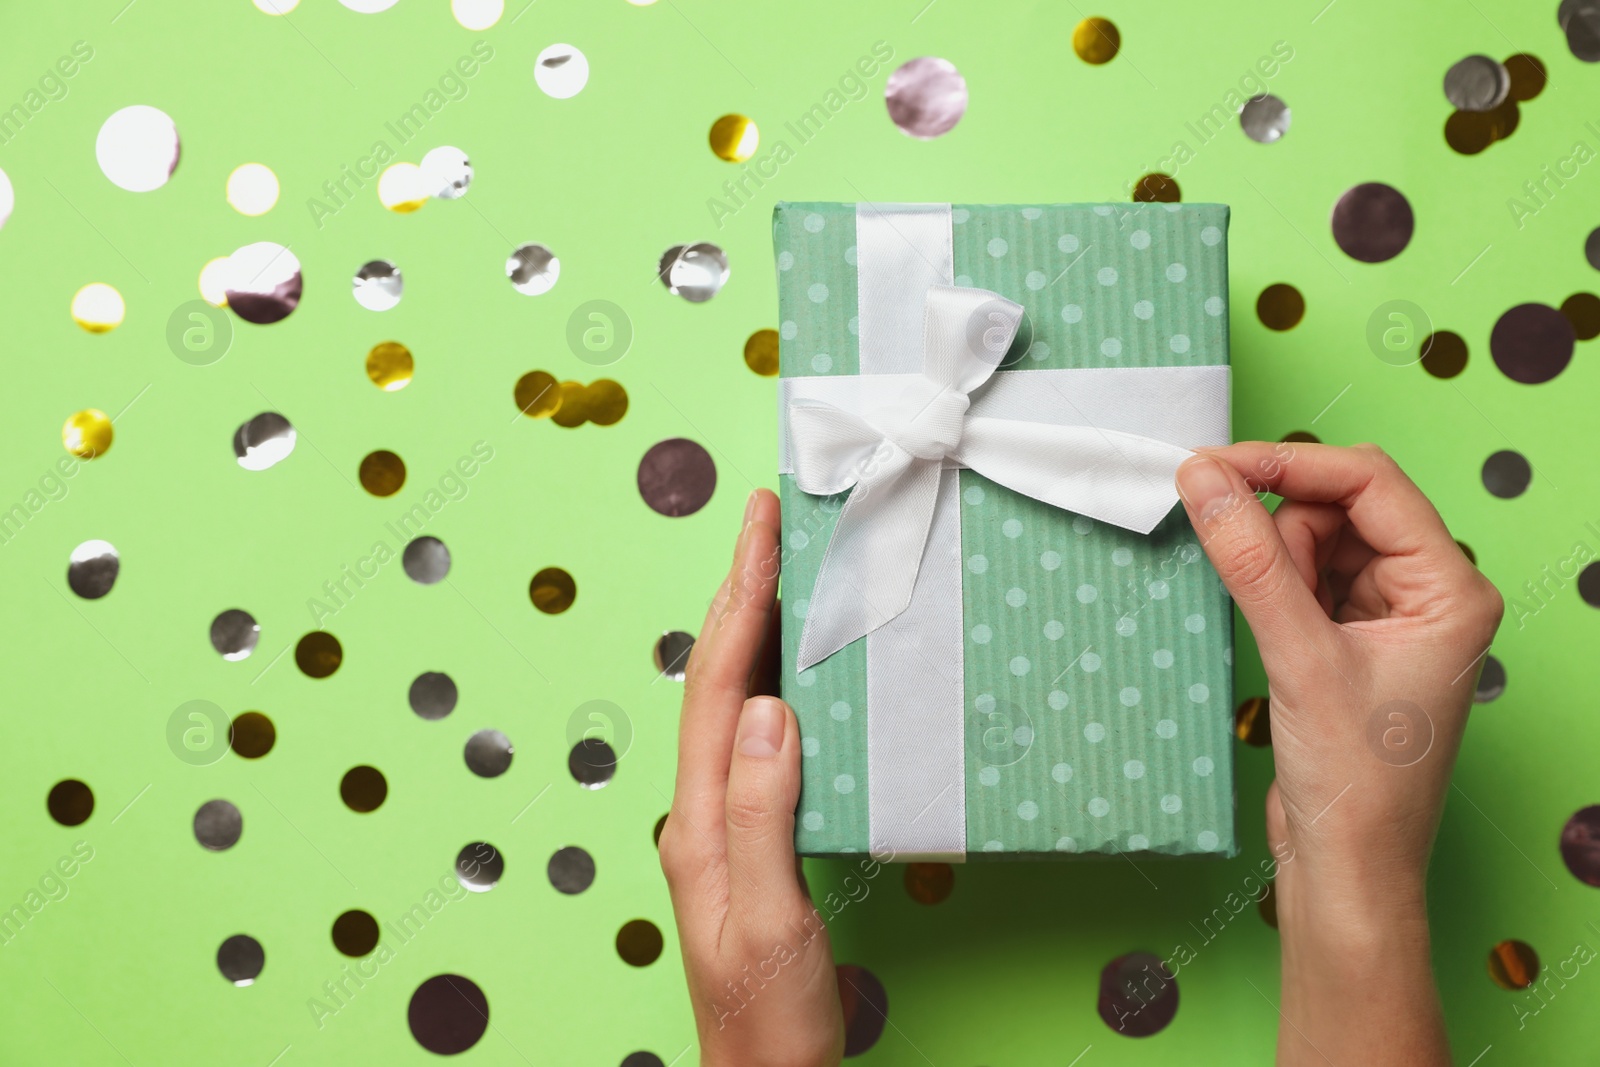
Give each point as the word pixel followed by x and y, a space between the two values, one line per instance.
pixel 932 428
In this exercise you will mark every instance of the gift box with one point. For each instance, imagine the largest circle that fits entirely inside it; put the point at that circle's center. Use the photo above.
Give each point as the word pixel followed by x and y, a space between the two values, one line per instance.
pixel 1001 637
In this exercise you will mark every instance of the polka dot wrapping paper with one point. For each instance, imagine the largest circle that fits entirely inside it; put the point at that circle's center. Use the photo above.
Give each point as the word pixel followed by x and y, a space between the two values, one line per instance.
pixel 1096 700
pixel 384 384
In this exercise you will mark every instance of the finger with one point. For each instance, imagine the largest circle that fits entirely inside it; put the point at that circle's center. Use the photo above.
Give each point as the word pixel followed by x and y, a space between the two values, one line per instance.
pixel 724 655
pixel 763 788
pixel 1310 533
pixel 1252 560
pixel 1384 505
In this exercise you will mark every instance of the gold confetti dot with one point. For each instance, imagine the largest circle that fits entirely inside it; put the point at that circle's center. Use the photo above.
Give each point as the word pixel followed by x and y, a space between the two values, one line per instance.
pixel 355 933
pixel 1444 354
pixel 252 735
pixel 605 402
pixel 318 654
pixel 214 282
pixel 1583 311
pixel 402 188
pixel 390 365
pixel 382 473
pixel 1513 965
pixel 661 824
pixel 87 434
pixel 1466 550
pixel 1301 437
pixel 98 308
pixel 930 883
pixel 1157 189
pixel 70 802
pixel 761 352
pixel 1528 76
pixel 573 410
pixel 538 394
pixel 553 590
pixel 1469 132
pixel 1096 40
pixel 639 942
pixel 1252 722
pixel 363 789
pixel 734 138
pixel 1280 307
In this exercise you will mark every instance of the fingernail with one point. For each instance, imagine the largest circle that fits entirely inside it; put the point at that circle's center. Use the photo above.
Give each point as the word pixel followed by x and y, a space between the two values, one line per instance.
pixel 750 504
pixel 1205 486
pixel 760 733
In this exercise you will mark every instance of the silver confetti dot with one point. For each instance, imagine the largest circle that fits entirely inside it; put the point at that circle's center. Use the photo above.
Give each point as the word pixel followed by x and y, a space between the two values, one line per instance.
pixel 1477 83
pixel 926 97
pixel 1580 19
pixel 672 654
pixel 592 762
pixel 378 285
pixel 138 148
pixel 234 633
pixel 480 866
pixel 447 172
pixel 696 272
pixel 262 282
pixel 240 959
pixel 263 441
pixel 433 695
pixel 92 569
pixel 488 753
pixel 217 825
pixel 1265 118
pixel 571 870
pixel 561 71
pixel 426 560
pixel 533 269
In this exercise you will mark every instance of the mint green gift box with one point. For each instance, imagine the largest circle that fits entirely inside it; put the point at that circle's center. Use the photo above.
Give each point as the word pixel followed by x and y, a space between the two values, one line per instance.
pixel 1097 703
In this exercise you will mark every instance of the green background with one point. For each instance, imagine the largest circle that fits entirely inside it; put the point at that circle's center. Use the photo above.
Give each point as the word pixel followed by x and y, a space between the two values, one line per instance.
pixel 122 969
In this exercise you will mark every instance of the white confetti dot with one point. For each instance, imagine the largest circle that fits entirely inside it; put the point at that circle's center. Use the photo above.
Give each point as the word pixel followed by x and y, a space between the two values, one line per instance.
pixel 1133 769
pixel 1082 525
pixel 1122 556
pixel 960 215
pixel 989 776
pixel 998 247
pixel 1203 766
pixel 1067 243
pixel 1032 214
pixel 1011 528
pixel 798 540
pixel 1027 811
pixel 1099 807
pixel 1172 803
pixel 1054 630
pixel 812 820
pixel 1035 280
pixel 1214 306
pixel 1016 596
pixel 1066 844
pixel 807 677
pixel 1199 693
pixel 1162 657
pixel 1103 210
pixel 1127 626
pixel 994 846
pixel 978 564
pixel 974 494
pixel 822 363
pixel 785 260
pixel 1020 666
pixel 854 325
pixel 840 710
pixel 1177 272
pixel 1111 347
pixel 1089 661
pixel 1050 560
pixel 1039 351
pixel 1195 623
pixel 1227 656
pixel 964 280
pixel 1095 732
pixel 1207 840
pixel 1107 276
pixel 1166 728
pixel 1139 239
pixel 814 223
pixel 789 330
pixel 1129 696
pixel 1138 842
pixel 1062 772
pixel 1179 343
pixel 810 746
pixel 1022 736
pixel 1144 310
pixel 1087 594
pixel 981 634
pixel 1158 589
pixel 1057 699
pixel 984 702
pixel 1072 313
pixel 799 608
pixel 844 784
pixel 1211 235
pixel 818 293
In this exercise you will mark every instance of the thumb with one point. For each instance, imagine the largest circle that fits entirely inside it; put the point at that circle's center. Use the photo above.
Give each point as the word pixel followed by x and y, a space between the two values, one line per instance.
pixel 763 788
pixel 1238 533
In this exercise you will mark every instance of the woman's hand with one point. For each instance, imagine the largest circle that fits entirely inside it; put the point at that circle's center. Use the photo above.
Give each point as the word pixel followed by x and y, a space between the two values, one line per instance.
pixel 761 973
pixel 1372 626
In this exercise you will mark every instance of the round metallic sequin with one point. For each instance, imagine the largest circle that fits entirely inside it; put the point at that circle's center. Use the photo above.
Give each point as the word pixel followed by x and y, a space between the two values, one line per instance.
pixel 447 172
pixel 1444 354
pixel 1528 76
pixel 926 97
pixel 604 402
pixel 1470 132
pixel 252 189
pixel 87 433
pixel 1096 40
pixel 1267 905
pixel 477 14
pixel 480 866
pixel 571 870
pixel 263 441
pixel 8 198
pixel 1513 965
pixel 1372 222
pixel 426 560
pixel 448 1014
pixel 433 695
pixel 251 735
pixel 1477 83
pixel 318 654
pixel 1583 311
pixel 538 394
pixel 1280 307
pixel 70 802
pixel 98 308
pixel 213 281
pixel 240 959
pixel 363 789
pixel 1252 721
pixel 592 763
pixel 1264 118
pixel 263 283
pixel 138 148
pixel 1138 995
pixel 1466 550
pixel 1591 248
pixel 382 473
pixel 1304 437
pixel 1589 585
pixel 1581 21
pixel 1532 343
pixel 930 883
pixel 642 1059
pixel 403 188
pixel 572 410
pixel 866 1007
pixel 488 753
pixel 677 477
pixel 1507 474
pixel 561 71
pixel 672 654
pixel 355 933
pixel 1580 845
pixel 661 824
pixel 218 825
pixel 378 285
pixel 639 943
pixel 697 272
pixel 552 590
pixel 234 634
pixel 92 569
pixel 1157 189
pixel 533 269
pixel 1491 681
pixel 734 138
pixel 761 353
pixel 390 366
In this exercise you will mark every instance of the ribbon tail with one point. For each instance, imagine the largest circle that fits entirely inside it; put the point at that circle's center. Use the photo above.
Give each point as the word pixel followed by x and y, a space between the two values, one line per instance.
pixel 1120 478
pixel 871 564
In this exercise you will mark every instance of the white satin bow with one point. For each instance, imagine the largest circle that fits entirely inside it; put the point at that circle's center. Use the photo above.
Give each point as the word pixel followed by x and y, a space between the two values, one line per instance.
pixel 893 454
